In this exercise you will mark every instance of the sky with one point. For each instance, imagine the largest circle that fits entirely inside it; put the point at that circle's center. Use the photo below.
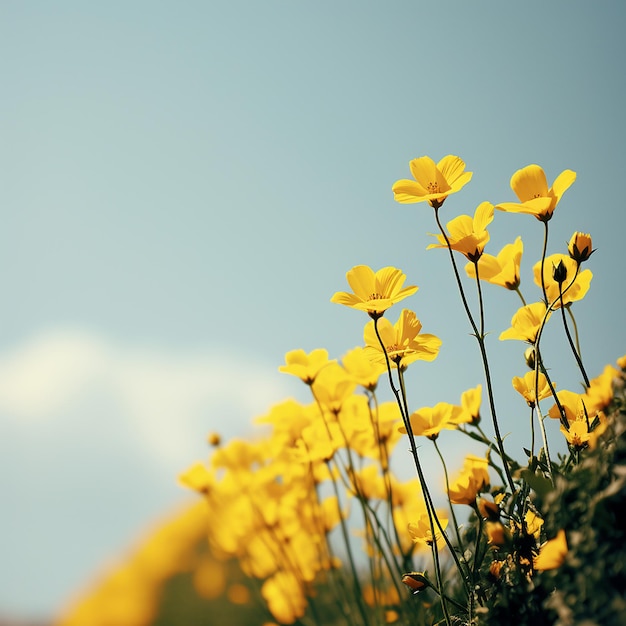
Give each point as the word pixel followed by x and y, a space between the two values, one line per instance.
pixel 184 187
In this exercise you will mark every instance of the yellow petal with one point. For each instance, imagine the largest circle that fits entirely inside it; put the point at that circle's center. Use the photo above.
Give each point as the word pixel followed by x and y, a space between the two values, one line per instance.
pixel 529 182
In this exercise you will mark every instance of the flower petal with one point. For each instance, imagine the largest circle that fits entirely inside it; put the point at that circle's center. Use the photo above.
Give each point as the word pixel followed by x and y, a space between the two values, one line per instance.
pixel 529 182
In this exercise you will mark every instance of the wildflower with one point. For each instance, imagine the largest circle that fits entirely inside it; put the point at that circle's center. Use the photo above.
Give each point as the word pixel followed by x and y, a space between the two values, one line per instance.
pixel 468 235
pixel 531 188
pixel 469 411
pixel 285 597
pixel 503 269
pixel 526 387
pixel 564 267
pixel 433 182
pixel 472 479
pixel 305 366
pixel 580 248
pixel 420 531
pixel 332 387
pixel 621 363
pixel 496 533
pixel 374 292
pixel 552 553
pixel 534 523
pixel 430 421
pixel 526 322
pixel 403 342
pixel 362 370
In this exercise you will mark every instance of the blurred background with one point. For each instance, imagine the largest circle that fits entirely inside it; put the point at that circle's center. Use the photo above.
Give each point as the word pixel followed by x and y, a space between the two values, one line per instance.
pixel 184 186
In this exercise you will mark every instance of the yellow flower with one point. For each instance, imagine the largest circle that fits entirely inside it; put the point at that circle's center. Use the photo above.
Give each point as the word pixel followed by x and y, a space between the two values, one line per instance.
pixel 525 323
pixel 580 247
pixel 469 411
pixel 420 531
pixel 576 292
pixel 502 269
pixel 433 182
pixel 363 371
pixel 472 479
pixel 305 366
pixel 430 421
pixel 526 387
pixel 466 234
pixel 552 553
pixel 285 597
pixel 332 387
pixel 531 188
pixel 374 292
pixel 403 342
pixel 533 524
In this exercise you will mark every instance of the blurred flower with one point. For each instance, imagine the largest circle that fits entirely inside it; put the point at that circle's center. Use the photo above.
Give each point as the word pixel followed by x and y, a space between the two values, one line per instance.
pixel 333 386
pixel 502 269
pixel 526 322
pixel 552 553
pixel 305 366
pixel 285 597
pixel 362 369
pixel 403 342
pixel 472 479
pixel 430 421
pixel 374 292
pixel 420 531
pixel 433 183
pixel 531 188
pixel 468 235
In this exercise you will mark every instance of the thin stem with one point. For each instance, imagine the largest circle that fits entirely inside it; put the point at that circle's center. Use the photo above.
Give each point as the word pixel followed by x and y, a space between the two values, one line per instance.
pixel 571 342
pixel 543 260
pixel 483 353
pixel 445 473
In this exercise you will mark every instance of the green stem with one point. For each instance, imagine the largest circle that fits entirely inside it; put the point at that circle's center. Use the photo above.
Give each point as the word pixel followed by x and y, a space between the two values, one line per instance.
pixel 483 354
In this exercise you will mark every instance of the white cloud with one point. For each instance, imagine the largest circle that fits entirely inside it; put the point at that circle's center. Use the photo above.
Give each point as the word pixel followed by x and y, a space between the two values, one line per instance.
pixel 167 399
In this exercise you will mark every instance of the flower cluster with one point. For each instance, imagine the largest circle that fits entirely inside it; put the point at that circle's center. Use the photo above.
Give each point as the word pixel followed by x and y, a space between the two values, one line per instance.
pixel 279 504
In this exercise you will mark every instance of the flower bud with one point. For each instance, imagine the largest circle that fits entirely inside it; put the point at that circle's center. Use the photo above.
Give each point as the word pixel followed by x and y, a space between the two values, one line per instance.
pixel 580 247
pixel 415 581
pixel 213 439
pixel 529 357
pixel 559 272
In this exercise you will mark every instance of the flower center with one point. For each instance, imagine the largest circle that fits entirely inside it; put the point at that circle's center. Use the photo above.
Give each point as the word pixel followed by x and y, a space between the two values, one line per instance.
pixel 374 296
pixel 433 187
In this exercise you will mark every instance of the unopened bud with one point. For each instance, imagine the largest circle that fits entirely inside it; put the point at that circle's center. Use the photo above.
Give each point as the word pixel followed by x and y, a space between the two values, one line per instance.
pixel 580 247
pixel 559 272
pixel 529 357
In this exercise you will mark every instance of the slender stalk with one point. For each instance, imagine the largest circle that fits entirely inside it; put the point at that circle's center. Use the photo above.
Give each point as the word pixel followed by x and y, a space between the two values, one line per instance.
pixel 403 405
pixel 445 473
pixel 543 260
pixel 483 353
pixel 581 367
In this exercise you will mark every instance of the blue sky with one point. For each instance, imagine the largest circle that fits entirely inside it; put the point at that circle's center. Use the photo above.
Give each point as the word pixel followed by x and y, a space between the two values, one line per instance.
pixel 184 186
